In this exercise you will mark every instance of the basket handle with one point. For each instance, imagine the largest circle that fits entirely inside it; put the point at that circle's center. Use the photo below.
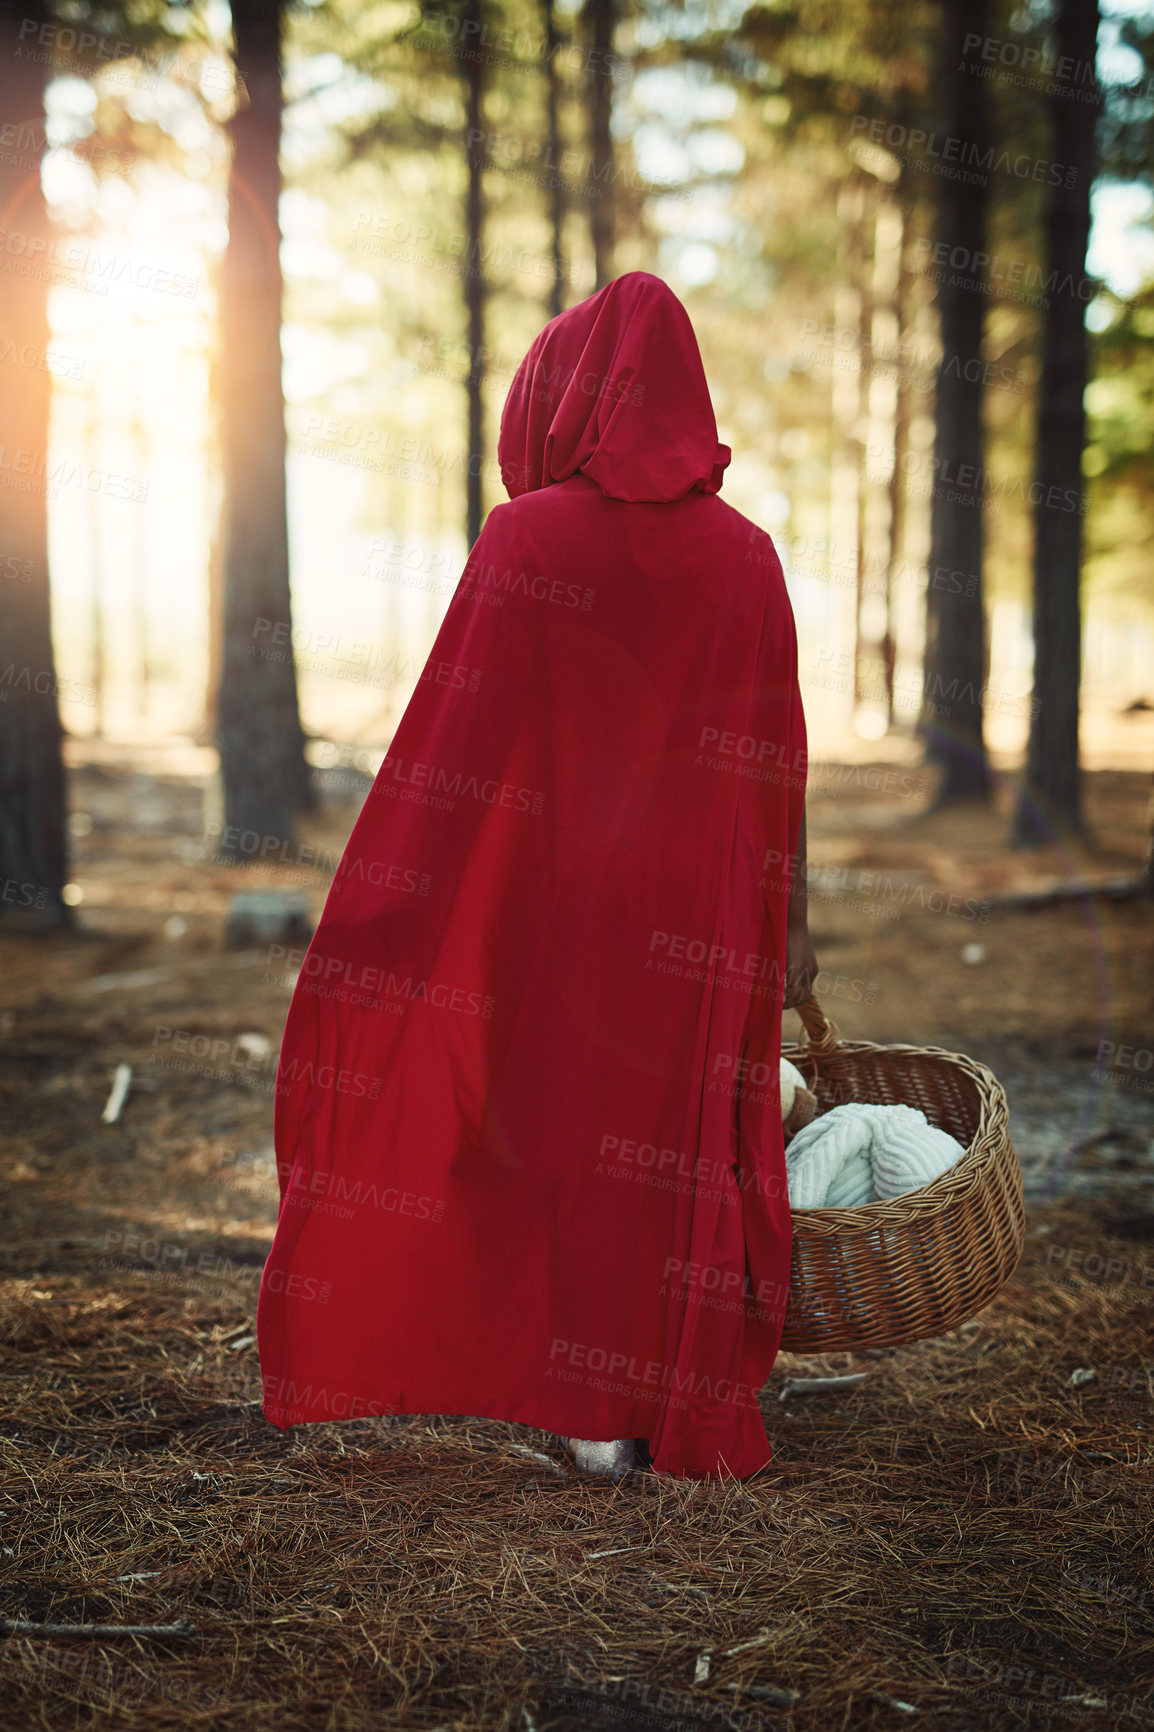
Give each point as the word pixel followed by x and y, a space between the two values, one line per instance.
pixel 821 1033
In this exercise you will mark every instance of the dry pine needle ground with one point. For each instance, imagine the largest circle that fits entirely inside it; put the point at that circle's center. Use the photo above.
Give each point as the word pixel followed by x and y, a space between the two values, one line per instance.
pixel 960 1541
pixel 963 1540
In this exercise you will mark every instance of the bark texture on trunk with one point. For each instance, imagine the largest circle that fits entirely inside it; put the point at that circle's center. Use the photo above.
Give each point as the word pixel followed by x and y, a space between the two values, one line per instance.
pixel 264 774
pixel 1051 799
pixel 472 74
pixel 600 21
pixel 33 801
pixel 955 657
pixel 556 182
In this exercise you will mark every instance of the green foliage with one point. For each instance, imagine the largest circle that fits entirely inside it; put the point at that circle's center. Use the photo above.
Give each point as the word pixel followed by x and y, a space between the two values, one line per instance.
pixel 1119 459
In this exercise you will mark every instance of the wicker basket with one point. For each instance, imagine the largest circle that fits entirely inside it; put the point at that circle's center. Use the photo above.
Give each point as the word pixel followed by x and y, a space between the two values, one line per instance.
pixel 921 1263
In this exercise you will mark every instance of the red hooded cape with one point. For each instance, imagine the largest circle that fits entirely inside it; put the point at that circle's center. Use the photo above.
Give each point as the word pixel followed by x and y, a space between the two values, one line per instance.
pixel 528 1129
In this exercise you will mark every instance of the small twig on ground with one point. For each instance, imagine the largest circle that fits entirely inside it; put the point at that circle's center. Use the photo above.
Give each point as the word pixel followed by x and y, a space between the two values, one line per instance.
pixel 819 1385
pixel 130 978
pixel 763 1635
pixel 121 1083
pixel 771 1693
pixel 536 1455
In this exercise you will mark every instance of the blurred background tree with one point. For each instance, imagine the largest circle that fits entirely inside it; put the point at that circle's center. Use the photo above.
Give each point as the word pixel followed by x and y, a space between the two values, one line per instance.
pixel 1051 796
pixel 433 179
pixel 33 835
pixel 264 776
pixel 956 663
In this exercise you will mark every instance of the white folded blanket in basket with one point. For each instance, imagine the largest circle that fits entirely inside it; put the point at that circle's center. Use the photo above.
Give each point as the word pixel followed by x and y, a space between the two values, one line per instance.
pixel 858 1154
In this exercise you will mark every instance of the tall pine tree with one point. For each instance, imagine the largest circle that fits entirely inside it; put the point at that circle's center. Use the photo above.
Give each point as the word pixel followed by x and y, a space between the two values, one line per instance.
pixel 955 655
pixel 1051 799
pixel 264 775
pixel 33 830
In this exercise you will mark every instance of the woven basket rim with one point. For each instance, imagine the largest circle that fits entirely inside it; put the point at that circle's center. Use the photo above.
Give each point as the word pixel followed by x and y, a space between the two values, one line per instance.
pixel 960 1180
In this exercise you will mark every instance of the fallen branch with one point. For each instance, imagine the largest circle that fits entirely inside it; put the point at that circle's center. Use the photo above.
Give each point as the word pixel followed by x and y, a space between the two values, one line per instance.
pixel 21 1627
pixel 1109 889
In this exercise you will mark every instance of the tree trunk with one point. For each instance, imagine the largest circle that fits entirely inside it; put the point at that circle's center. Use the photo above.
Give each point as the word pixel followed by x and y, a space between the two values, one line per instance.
pixel 1050 801
pixel 214 515
pixel 955 619
pixel 33 805
pixel 556 183
pixel 263 770
pixel 901 439
pixel 141 457
pixel 97 637
pixel 866 236
pixel 601 19
pixel 472 74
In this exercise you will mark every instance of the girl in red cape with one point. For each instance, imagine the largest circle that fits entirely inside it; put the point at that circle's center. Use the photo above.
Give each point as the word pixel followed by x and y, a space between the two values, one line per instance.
pixel 528 1124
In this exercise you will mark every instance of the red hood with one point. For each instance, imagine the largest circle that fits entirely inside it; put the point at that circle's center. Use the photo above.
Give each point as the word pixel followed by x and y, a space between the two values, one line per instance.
pixel 614 387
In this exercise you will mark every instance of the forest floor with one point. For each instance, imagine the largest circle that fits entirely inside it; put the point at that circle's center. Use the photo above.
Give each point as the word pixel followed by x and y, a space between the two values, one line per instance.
pixel 962 1541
